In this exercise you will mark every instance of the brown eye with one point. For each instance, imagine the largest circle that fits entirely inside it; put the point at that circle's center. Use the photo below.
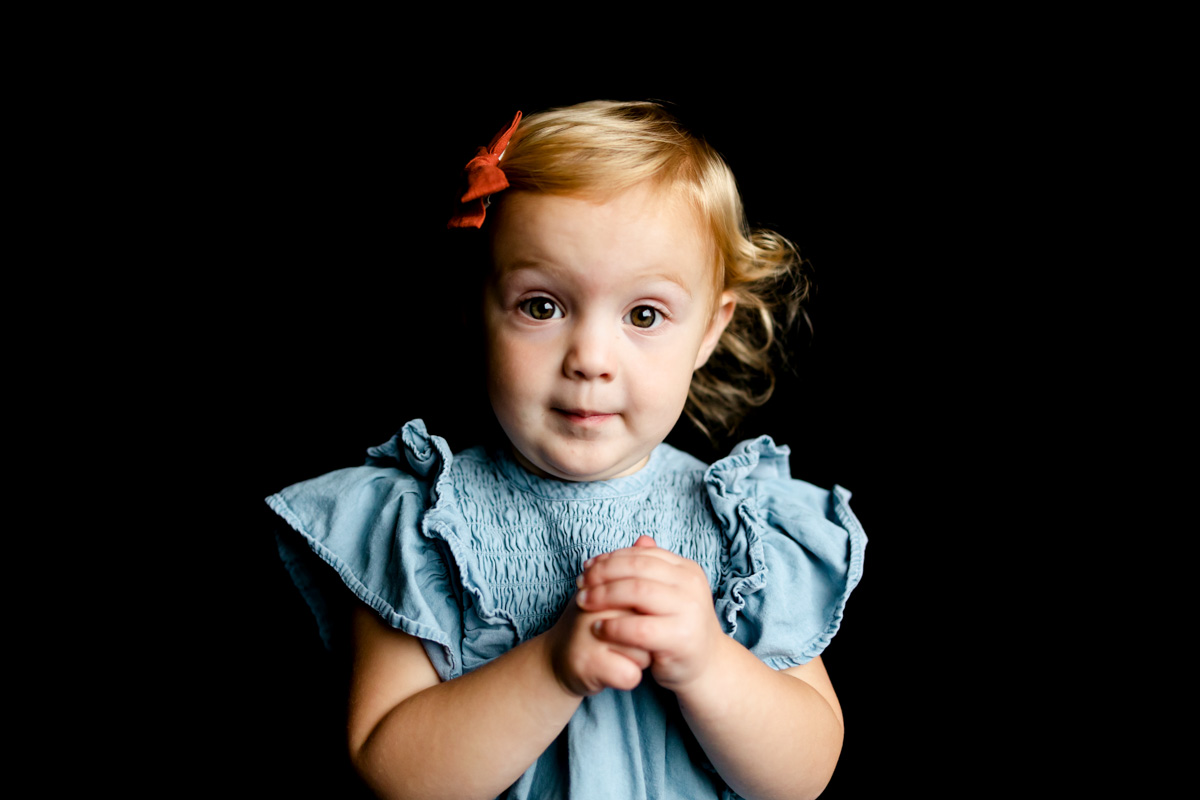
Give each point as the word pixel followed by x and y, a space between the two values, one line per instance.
pixel 645 317
pixel 541 308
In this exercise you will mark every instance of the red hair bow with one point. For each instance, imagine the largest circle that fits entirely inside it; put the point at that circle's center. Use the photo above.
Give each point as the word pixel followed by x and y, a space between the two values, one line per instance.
pixel 484 178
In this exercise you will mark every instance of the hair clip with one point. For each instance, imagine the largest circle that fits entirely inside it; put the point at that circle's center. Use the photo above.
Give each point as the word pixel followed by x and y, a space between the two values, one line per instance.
pixel 484 178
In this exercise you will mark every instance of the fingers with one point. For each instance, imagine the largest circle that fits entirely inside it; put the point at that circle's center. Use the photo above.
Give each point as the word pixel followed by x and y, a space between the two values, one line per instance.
pixel 641 551
pixel 585 664
pixel 618 668
pixel 636 594
pixel 640 658
pixel 668 605
pixel 641 579
pixel 634 631
pixel 604 665
pixel 680 651
pixel 642 562
pixel 617 665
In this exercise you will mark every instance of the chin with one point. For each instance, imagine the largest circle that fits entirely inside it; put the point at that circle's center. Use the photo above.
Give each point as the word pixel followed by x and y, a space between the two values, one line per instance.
pixel 594 469
pixel 576 471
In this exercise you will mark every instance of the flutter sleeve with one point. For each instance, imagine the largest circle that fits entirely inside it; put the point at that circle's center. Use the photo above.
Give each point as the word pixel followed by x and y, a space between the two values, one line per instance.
pixel 795 554
pixel 362 529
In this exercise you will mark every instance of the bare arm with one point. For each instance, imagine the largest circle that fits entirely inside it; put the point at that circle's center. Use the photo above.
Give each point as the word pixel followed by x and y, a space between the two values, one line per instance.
pixel 769 734
pixel 411 735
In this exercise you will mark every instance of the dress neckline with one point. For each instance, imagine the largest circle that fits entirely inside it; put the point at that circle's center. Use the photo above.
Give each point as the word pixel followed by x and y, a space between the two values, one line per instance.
pixel 555 489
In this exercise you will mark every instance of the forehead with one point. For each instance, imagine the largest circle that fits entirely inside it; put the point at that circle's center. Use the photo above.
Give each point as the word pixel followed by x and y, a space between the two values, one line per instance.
pixel 639 231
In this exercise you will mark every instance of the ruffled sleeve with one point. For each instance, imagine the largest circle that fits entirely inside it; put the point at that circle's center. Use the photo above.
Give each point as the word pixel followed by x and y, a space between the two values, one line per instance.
pixel 795 554
pixel 366 524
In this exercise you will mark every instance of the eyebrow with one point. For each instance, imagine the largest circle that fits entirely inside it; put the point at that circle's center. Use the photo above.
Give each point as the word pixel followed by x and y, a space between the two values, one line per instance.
pixel 675 278
pixel 525 264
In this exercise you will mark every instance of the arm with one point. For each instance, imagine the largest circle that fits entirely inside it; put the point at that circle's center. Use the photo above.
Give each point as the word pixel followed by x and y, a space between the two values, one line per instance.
pixel 411 735
pixel 769 734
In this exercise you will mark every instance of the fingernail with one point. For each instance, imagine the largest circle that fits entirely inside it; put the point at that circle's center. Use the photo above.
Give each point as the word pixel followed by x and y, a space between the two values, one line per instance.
pixel 596 626
pixel 589 562
pixel 579 582
pixel 582 597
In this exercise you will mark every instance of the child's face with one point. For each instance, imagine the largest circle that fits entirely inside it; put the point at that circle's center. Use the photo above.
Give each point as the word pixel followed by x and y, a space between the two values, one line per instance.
pixel 597 315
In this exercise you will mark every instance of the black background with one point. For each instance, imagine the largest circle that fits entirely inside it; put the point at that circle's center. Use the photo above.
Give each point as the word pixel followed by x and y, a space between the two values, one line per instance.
pixel 322 321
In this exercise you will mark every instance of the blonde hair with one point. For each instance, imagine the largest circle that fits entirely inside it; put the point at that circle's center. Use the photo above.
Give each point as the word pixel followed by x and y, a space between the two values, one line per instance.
pixel 601 148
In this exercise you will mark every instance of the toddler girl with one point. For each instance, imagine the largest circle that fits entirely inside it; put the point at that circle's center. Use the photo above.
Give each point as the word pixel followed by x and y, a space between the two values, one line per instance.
pixel 589 612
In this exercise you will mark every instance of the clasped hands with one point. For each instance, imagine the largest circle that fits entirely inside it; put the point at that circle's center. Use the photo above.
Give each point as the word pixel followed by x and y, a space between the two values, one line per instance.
pixel 636 608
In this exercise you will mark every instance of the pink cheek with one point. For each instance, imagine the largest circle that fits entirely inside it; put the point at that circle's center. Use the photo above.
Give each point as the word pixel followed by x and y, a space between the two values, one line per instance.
pixel 515 371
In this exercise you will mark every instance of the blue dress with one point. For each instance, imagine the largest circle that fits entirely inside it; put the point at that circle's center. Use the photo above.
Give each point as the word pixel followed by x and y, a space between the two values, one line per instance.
pixel 472 554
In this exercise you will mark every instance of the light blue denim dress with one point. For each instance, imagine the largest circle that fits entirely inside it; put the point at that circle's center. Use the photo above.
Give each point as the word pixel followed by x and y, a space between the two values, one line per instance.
pixel 472 555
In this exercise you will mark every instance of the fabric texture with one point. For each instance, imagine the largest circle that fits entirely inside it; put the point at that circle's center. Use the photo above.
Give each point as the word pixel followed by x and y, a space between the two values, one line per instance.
pixel 473 555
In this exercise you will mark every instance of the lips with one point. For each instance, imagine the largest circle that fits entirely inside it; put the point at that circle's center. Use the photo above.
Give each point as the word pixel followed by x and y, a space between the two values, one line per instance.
pixel 584 416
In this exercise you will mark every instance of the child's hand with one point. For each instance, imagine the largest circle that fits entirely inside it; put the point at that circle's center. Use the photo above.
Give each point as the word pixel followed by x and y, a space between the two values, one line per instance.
pixel 585 665
pixel 674 618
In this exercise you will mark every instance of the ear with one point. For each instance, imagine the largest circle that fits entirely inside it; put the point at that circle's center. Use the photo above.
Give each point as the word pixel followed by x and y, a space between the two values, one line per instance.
pixel 726 304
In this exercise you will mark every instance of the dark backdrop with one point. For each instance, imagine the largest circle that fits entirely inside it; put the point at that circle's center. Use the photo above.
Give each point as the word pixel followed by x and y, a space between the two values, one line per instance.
pixel 320 199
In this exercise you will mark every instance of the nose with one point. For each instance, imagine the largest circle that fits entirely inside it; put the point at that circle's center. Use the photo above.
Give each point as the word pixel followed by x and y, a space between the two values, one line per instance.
pixel 591 352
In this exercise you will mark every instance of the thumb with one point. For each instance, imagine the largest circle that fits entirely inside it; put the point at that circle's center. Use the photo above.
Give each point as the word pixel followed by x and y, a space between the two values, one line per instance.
pixel 645 541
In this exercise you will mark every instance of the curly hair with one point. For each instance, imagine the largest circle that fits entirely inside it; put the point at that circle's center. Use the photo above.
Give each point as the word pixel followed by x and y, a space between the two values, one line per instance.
pixel 601 148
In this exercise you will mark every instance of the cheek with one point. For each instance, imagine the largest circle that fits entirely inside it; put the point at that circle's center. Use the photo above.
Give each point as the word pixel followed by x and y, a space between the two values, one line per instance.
pixel 509 377
pixel 680 389
pixel 500 367
pixel 665 380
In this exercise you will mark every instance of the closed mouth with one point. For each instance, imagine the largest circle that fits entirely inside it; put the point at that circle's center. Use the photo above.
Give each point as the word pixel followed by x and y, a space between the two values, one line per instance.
pixel 584 414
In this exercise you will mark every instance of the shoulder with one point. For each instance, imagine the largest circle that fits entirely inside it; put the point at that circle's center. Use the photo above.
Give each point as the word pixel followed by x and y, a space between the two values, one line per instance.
pixel 346 498
pixel 399 479
pixel 757 476
pixel 372 529
pixel 796 553
pixel 409 474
